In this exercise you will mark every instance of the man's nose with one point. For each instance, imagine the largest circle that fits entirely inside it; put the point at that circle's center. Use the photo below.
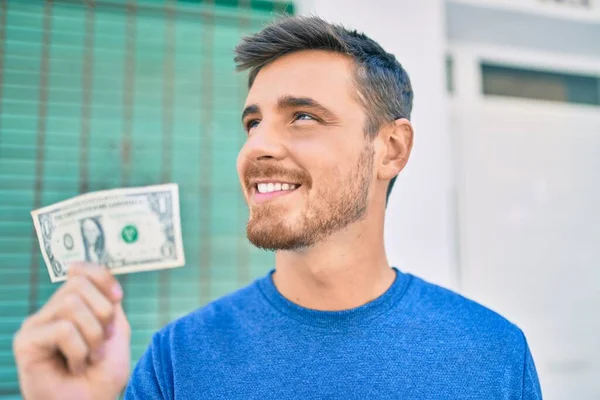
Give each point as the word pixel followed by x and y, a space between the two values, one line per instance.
pixel 264 143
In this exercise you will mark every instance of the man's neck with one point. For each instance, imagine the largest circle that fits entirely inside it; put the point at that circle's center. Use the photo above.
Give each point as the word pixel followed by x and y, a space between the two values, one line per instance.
pixel 346 270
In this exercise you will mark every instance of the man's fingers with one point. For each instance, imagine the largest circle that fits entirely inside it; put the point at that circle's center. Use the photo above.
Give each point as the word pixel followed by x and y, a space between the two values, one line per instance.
pixel 77 312
pixel 71 345
pixel 97 287
pixel 44 341
pixel 100 277
pixel 63 302
pixel 100 306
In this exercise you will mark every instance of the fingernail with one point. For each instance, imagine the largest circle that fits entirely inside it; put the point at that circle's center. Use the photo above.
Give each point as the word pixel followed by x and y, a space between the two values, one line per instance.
pixel 117 291
pixel 97 354
pixel 110 330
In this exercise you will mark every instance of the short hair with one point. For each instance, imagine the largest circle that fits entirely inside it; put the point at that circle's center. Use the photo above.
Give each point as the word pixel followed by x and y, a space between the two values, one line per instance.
pixel 385 88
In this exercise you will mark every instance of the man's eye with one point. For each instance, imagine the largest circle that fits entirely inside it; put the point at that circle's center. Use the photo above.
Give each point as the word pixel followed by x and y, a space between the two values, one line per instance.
pixel 252 124
pixel 303 117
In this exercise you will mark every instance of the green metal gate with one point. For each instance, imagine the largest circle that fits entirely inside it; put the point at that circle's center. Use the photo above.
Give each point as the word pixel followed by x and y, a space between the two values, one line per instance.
pixel 104 94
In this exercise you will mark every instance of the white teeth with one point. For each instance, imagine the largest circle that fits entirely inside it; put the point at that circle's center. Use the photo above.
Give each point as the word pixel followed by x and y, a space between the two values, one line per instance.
pixel 274 187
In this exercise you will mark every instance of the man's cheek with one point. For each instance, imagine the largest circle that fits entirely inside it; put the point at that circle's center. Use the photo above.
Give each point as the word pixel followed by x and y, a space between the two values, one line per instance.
pixel 239 165
pixel 238 162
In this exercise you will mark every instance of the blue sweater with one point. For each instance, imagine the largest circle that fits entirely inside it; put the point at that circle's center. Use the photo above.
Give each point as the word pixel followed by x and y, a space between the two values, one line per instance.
pixel 415 341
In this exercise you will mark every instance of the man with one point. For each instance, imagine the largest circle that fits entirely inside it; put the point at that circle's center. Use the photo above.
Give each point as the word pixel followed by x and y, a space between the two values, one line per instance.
pixel 327 119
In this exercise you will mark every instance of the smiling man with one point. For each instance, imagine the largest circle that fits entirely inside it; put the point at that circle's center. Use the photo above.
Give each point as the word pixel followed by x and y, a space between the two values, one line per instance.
pixel 327 123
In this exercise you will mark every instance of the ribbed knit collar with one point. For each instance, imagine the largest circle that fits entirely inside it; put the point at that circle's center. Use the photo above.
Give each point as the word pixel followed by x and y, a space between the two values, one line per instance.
pixel 336 319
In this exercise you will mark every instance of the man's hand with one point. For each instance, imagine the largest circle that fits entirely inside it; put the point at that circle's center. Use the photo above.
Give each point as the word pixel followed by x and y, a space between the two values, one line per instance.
pixel 77 346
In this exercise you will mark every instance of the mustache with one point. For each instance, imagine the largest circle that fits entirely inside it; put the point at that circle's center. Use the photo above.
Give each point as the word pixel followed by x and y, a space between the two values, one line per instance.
pixel 267 171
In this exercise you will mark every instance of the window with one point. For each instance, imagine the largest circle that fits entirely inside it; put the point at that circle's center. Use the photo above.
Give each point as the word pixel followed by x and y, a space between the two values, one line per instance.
pixel 541 85
pixel 449 74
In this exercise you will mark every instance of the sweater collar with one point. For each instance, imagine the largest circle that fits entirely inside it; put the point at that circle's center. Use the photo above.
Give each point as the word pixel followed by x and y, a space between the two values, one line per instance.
pixel 335 319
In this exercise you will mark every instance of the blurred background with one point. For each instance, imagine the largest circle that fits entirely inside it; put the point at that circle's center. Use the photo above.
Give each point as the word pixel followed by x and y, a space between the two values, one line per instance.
pixel 498 202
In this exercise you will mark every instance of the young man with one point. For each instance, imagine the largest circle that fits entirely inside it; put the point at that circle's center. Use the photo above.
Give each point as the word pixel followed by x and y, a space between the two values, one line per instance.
pixel 327 119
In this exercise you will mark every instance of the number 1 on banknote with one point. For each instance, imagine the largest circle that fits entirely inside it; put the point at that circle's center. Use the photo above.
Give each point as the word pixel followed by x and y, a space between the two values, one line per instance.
pixel 127 230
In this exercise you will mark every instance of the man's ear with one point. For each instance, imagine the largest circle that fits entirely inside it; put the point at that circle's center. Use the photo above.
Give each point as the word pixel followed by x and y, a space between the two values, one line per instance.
pixel 398 141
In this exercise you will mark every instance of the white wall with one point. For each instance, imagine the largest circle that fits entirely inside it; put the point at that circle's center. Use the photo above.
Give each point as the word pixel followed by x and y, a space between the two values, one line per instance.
pixel 528 174
pixel 529 185
pixel 515 28
pixel 419 224
pixel 576 10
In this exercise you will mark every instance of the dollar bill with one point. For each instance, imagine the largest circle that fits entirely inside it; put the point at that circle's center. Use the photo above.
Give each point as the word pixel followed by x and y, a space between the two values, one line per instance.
pixel 126 230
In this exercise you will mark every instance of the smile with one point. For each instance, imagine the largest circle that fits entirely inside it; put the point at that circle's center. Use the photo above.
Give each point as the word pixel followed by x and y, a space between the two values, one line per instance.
pixel 265 191
pixel 275 187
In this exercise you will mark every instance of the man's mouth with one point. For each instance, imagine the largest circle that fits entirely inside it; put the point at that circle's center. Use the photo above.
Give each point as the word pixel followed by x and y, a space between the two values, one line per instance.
pixel 266 190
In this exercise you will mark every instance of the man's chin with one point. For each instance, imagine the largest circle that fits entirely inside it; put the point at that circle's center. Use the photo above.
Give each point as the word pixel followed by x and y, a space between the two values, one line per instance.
pixel 274 239
pixel 278 245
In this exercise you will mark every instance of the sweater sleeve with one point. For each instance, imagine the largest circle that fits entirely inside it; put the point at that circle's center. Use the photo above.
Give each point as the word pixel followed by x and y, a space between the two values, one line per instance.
pixel 531 384
pixel 150 378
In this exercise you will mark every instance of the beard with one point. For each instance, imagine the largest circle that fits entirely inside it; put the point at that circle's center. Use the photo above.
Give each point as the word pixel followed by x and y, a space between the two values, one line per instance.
pixel 336 205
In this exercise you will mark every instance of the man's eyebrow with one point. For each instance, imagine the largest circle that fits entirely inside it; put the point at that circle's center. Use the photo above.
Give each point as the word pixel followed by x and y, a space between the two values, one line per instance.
pixel 292 101
pixel 251 109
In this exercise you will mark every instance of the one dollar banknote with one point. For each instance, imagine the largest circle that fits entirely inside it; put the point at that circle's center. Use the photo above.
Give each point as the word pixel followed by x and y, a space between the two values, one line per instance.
pixel 126 230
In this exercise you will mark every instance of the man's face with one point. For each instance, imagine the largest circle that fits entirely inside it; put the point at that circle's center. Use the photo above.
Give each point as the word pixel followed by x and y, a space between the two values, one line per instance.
pixel 306 142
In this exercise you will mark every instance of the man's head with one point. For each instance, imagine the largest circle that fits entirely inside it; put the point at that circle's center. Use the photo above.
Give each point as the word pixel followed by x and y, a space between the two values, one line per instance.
pixel 327 119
